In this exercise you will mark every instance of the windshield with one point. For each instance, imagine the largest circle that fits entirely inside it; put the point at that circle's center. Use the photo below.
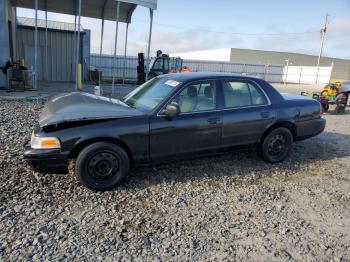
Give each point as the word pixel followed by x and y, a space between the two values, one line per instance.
pixel 149 95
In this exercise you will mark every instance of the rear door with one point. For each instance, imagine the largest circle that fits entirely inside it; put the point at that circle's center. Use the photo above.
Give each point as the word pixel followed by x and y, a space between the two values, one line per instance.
pixel 197 129
pixel 247 112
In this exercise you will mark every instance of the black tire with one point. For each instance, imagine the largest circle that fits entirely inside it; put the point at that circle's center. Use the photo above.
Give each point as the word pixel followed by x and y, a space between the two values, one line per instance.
pixel 277 145
pixel 340 109
pixel 102 166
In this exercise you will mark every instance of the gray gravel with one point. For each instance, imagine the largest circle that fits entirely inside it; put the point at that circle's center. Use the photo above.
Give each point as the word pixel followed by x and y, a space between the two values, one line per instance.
pixel 229 207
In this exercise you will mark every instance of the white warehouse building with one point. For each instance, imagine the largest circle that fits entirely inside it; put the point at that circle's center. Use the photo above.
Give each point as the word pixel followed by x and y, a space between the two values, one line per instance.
pixel 341 67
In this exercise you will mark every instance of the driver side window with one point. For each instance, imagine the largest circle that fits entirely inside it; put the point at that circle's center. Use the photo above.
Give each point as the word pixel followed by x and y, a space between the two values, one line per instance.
pixel 197 97
pixel 158 65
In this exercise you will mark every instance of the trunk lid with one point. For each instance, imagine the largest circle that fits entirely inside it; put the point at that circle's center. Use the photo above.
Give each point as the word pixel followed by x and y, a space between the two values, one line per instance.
pixel 287 96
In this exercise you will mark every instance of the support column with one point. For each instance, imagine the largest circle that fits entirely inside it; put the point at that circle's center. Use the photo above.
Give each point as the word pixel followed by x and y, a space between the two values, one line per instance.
pixel 36 46
pixel 101 47
pixel 46 52
pixel 102 29
pixel 126 45
pixel 149 43
pixel 14 33
pixel 78 66
pixel 75 43
pixel 103 24
pixel 115 44
pixel 4 40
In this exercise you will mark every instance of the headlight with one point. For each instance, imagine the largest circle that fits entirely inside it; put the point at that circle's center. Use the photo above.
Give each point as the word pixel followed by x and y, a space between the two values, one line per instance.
pixel 44 142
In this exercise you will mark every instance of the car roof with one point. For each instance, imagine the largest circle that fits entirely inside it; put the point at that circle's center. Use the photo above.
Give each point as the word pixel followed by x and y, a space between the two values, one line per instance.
pixel 193 76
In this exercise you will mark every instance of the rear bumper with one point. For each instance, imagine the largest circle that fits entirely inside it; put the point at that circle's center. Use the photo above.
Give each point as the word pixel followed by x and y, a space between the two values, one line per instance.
pixel 310 128
pixel 49 161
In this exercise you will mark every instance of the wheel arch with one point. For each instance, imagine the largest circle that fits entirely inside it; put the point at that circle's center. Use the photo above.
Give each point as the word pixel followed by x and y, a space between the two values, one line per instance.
pixel 287 124
pixel 83 144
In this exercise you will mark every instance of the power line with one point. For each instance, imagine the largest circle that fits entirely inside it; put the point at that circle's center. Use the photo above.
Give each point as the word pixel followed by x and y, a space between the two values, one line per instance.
pixel 230 33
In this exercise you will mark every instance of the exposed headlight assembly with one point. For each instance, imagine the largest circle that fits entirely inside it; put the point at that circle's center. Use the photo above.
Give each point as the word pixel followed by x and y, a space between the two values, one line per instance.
pixel 37 142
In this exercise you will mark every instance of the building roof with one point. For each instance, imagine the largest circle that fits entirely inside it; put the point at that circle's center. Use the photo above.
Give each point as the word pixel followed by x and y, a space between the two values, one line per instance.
pixel 51 25
pixel 99 9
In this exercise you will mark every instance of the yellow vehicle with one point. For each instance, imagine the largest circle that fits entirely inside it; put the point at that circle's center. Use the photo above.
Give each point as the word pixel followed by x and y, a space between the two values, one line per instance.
pixel 331 89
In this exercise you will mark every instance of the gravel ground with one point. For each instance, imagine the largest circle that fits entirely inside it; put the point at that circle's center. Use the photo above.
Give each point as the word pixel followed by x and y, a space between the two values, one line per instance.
pixel 229 207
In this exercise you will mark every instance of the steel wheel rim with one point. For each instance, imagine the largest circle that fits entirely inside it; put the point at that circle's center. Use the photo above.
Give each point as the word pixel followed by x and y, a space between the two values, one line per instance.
pixel 277 145
pixel 103 165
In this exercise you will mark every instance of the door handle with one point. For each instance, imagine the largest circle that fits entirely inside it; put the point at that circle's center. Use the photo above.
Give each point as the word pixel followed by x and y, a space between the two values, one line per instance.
pixel 214 120
pixel 265 114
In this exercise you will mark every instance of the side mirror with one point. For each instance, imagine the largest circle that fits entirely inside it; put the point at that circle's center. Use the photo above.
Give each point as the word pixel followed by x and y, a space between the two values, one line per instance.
pixel 171 110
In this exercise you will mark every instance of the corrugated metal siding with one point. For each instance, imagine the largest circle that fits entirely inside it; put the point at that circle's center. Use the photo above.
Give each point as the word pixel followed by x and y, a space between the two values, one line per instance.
pixel 60 58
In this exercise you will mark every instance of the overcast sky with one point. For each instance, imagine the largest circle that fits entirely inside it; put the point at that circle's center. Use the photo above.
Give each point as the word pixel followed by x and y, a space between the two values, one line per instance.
pixel 191 25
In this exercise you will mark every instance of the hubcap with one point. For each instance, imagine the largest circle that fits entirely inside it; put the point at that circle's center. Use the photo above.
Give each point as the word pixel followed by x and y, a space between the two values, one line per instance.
pixel 103 165
pixel 277 145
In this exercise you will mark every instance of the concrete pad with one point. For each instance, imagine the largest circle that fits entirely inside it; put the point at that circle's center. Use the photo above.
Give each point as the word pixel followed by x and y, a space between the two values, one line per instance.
pixel 46 89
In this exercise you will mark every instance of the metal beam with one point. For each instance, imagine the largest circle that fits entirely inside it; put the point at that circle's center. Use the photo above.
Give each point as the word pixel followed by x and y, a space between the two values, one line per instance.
pixel 46 53
pixel 75 41
pixel 103 24
pixel 149 43
pixel 78 49
pixel 14 33
pixel 126 45
pixel 115 43
pixel 36 45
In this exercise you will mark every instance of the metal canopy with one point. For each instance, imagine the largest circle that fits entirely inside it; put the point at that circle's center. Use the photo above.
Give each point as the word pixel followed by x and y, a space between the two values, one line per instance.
pixel 120 11
pixel 91 8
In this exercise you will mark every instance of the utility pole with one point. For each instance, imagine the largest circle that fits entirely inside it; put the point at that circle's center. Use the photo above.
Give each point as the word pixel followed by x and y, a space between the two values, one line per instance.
pixel 323 32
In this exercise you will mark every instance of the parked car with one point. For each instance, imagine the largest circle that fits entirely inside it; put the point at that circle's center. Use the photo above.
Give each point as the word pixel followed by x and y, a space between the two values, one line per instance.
pixel 169 117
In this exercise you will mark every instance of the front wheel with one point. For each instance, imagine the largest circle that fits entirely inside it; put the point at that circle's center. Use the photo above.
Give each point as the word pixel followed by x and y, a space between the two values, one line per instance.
pixel 277 145
pixel 101 166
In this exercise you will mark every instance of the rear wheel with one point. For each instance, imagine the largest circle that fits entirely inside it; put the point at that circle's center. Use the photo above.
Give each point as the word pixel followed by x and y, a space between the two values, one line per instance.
pixel 277 145
pixel 101 166
pixel 340 109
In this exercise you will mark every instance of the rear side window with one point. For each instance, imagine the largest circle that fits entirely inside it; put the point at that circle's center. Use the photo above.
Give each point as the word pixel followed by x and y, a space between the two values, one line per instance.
pixel 241 94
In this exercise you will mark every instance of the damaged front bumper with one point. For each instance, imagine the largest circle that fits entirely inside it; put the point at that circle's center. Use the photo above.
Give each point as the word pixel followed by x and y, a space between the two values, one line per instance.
pixel 49 161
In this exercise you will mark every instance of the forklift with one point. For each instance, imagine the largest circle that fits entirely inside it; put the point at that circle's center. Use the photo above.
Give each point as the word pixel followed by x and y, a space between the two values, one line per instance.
pixel 161 64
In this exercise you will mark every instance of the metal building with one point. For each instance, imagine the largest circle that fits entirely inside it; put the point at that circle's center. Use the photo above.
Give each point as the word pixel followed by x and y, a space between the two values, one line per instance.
pixel 56 61
pixel 340 71
pixel 119 11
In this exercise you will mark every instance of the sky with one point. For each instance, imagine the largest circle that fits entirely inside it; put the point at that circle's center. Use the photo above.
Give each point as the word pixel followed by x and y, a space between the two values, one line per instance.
pixel 192 25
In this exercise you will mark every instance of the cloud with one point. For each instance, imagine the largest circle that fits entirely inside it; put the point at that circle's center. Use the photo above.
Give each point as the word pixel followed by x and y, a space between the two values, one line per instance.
pixel 172 40
pixel 336 42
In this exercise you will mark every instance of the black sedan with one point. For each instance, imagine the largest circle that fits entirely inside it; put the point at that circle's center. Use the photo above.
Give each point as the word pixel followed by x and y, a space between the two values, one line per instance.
pixel 169 117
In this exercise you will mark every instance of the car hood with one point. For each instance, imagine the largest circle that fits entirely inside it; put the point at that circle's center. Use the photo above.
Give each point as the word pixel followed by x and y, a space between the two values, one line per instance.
pixel 79 106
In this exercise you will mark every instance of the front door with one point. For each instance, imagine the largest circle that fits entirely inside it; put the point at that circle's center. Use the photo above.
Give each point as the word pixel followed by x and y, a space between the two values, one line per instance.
pixel 197 129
